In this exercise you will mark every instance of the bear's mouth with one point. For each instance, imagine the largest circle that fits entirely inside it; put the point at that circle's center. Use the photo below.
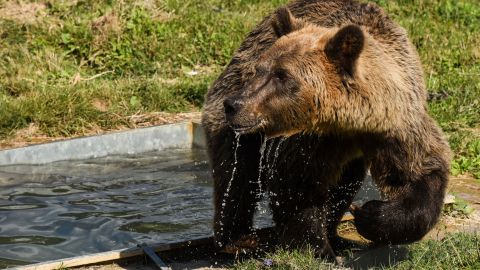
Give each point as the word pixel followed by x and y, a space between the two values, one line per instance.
pixel 243 129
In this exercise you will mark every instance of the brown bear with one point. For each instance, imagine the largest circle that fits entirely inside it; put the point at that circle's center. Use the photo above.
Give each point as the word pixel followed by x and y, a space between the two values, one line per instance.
pixel 318 93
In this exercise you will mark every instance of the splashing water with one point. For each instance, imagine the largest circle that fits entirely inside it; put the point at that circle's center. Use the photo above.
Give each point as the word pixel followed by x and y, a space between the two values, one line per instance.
pixel 268 152
pixel 260 193
pixel 229 185
pixel 275 157
pixel 271 165
pixel 234 170
pixel 260 168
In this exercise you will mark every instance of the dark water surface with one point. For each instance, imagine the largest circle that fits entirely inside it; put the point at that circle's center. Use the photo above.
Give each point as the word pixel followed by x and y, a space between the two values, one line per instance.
pixel 67 209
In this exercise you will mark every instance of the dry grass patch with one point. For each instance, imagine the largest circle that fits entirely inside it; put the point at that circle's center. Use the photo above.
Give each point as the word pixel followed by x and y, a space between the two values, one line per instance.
pixel 22 12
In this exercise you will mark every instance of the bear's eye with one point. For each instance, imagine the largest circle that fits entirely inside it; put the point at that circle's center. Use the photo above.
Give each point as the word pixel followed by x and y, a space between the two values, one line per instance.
pixel 280 74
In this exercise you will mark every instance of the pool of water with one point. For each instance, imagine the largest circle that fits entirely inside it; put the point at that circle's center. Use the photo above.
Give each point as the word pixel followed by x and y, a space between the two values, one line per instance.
pixel 67 209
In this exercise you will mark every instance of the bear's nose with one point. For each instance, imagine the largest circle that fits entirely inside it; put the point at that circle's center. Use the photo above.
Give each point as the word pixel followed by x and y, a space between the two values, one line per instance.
pixel 231 106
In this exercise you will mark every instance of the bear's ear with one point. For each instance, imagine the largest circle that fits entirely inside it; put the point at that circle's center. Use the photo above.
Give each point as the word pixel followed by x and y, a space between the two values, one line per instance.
pixel 283 22
pixel 345 47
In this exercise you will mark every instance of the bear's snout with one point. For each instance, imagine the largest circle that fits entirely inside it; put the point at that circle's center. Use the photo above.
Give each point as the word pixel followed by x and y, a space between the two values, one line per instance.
pixel 239 115
pixel 231 107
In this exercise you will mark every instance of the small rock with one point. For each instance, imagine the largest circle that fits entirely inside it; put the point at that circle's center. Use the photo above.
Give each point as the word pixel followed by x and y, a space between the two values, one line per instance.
pixel 449 199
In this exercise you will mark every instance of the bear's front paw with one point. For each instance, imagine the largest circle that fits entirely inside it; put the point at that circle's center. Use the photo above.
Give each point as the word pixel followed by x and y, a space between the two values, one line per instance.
pixel 370 220
pixel 370 212
pixel 323 249
pixel 320 245
pixel 243 244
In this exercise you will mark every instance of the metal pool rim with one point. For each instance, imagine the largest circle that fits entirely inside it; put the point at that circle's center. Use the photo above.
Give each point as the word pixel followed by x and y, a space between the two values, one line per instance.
pixel 135 141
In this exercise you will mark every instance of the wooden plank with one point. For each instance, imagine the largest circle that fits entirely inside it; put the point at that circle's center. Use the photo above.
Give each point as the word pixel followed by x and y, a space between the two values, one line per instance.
pixel 84 260
pixel 112 255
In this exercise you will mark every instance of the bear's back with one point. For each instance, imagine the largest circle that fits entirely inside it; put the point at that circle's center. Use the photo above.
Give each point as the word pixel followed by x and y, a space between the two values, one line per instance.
pixel 332 13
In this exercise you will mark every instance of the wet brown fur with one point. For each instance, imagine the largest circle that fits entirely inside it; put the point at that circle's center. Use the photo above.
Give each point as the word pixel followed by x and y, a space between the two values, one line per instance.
pixel 342 82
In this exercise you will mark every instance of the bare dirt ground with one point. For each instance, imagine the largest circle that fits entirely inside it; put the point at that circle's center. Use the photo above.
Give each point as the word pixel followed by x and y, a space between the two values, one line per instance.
pixel 464 188
pixel 25 13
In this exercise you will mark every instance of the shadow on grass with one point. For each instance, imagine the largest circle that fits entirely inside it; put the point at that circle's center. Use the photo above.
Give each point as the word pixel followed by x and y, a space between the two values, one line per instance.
pixel 380 257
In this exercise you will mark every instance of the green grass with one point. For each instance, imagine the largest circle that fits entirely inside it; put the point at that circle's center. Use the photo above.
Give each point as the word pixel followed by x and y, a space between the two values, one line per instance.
pixel 285 260
pixel 455 251
pixel 139 56
pixel 131 56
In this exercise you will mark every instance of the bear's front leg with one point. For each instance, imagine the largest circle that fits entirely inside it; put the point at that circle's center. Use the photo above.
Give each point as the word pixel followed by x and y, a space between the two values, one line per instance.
pixel 413 177
pixel 407 218
pixel 307 229
pixel 234 162
pixel 300 217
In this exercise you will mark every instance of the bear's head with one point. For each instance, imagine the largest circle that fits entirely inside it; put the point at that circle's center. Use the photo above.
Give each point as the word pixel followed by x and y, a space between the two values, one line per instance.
pixel 298 80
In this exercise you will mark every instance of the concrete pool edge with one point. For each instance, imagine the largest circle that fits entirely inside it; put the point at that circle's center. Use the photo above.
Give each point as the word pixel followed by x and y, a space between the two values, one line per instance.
pixel 135 141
